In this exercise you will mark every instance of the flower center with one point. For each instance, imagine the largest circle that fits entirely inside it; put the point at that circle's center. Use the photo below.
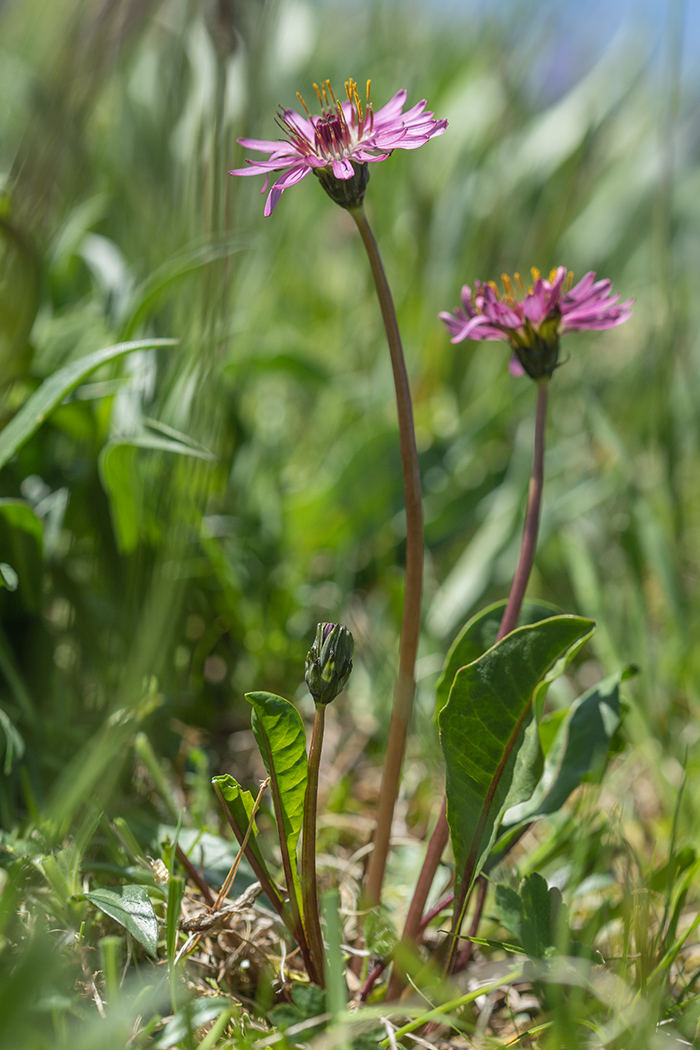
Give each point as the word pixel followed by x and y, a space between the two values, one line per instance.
pixel 337 131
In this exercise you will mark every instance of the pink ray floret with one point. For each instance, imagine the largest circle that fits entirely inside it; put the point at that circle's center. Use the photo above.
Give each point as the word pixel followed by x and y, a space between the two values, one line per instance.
pixel 346 132
pixel 533 318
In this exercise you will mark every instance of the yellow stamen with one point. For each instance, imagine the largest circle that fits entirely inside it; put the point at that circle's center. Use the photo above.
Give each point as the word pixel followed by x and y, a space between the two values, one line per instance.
pixel 508 285
pixel 357 100
pixel 519 282
pixel 330 92
pixel 552 276
pixel 535 274
pixel 306 108
pixel 320 99
pixel 368 84
pixel 569 280
pixel 495 288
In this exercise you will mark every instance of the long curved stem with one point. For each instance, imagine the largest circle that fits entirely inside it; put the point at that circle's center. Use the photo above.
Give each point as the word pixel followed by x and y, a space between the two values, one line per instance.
pixel 410 627
pixel 309 893
pixel 532 519
pixel 509 621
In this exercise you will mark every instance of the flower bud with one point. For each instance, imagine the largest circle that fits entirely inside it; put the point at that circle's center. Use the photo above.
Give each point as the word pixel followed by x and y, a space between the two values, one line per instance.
pixel 348 193
pixel 329 662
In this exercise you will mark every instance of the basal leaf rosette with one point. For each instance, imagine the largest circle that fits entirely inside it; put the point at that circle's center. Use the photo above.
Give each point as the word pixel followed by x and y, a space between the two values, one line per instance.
pixel 533 318
pixel 338 145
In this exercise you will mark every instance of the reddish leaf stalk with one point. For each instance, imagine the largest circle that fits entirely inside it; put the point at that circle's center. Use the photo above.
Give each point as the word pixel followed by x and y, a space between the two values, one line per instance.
pixel 509 621
pixel 410 627
pixel 309 894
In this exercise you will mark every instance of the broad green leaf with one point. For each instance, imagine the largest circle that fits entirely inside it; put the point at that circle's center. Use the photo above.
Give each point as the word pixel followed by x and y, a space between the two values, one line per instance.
pixel 279 732
pixel 478 635
pixel 533 915
pixel 482 728
pixel 53 390
pixel 131 906
pixel 581 745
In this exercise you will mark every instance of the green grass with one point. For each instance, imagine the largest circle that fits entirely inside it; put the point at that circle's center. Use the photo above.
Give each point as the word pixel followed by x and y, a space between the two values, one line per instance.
pixel 157 588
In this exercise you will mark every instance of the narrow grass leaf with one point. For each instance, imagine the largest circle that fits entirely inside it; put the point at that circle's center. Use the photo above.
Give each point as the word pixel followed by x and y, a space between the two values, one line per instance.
pixel 53 390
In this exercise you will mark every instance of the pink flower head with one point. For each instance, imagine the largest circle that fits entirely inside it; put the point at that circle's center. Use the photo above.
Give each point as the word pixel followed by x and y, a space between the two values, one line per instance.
pixel 337 145
pixel 532 319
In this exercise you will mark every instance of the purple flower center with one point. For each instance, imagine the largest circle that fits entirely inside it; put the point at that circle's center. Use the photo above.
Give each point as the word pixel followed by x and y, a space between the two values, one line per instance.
pixel 335 135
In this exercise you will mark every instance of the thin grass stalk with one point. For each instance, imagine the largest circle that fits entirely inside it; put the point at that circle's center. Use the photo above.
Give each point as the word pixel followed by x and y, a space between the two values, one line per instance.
pixel 410 627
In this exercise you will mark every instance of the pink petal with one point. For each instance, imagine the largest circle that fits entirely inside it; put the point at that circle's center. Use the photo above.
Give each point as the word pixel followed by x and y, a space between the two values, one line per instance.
pixel 343 169
pixel 264 145
pixel 289 178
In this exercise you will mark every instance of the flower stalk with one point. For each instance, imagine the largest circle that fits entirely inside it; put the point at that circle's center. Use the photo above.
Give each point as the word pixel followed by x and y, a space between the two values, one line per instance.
pixel 309 894
pixel 410 627
pixel 532 518
pixel 509 621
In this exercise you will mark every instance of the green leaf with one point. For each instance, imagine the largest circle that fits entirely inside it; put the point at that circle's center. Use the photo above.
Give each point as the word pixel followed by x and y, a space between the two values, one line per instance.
pixel 482 728
pixel 131 906
pixel 239 805
pixel 53 390
pixel 579 748
pixel 533 916
pixel 478 635
pixel 279 732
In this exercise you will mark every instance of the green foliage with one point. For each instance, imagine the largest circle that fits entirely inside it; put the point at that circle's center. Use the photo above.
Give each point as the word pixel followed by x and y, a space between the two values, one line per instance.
pixel 153 590
pixel 132 908
pixel 535 914
pixel 482 730
pixel 280 735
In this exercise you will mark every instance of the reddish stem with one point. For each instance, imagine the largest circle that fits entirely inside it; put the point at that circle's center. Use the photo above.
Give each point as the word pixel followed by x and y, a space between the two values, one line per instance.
pixel 532 519
pixel 410 626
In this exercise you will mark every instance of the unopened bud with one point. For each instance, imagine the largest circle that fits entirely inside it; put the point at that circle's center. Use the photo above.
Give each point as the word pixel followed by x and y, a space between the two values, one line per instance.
pixel 329 662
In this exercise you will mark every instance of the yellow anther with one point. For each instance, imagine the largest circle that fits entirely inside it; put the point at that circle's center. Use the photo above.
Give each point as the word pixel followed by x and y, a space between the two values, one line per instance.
pixel 330 92
pixel 493 285
pixel 306 108
pixel 320 98
pixel 368 84
pixel 519 282
pixel 508 285
pixel 569 280
pixel 552 276
pixel 535 273
pixel 357 102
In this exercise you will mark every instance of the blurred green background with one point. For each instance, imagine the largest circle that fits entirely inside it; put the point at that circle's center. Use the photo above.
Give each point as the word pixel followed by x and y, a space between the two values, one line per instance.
pixel 143 572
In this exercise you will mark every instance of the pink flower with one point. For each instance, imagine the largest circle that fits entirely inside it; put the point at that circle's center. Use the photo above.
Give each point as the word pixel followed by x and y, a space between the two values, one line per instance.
pixel 336 145
pixel 532 320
